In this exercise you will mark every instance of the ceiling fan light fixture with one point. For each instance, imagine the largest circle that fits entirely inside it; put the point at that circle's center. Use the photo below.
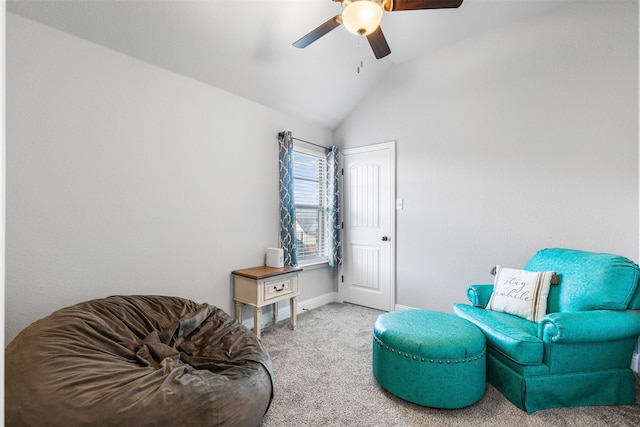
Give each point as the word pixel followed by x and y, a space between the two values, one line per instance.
pixel 361 17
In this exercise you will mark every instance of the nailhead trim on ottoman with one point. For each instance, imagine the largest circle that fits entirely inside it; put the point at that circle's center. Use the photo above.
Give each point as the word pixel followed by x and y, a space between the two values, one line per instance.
pixel 430 358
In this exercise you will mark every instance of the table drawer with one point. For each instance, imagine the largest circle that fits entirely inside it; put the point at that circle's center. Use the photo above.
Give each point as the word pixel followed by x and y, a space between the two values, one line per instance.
pixel 277 288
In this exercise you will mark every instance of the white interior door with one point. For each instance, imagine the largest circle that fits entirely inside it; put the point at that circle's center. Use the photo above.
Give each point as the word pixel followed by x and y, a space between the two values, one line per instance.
pixel 368 272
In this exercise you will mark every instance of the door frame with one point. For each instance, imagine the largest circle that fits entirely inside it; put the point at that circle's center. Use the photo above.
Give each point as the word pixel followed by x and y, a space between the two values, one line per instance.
pixel 389 145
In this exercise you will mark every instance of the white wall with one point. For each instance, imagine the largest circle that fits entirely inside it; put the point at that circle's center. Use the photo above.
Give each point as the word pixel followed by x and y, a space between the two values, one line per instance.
pixel 524 138
pixel 124 178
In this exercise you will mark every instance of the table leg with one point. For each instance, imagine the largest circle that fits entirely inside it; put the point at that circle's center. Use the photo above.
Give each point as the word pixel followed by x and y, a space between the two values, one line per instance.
pixel 257 321
pixel 239 311
pixel 293 309
pixel 275 313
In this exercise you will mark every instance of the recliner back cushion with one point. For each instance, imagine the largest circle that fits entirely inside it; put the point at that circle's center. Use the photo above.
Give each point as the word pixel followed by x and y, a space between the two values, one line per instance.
pixel 588 280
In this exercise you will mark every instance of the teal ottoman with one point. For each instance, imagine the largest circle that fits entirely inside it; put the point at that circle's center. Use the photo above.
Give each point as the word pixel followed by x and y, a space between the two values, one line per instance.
pixel 430 358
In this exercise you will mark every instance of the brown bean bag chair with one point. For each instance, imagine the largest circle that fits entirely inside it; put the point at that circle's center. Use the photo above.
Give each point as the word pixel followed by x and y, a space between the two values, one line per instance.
pixel 137 361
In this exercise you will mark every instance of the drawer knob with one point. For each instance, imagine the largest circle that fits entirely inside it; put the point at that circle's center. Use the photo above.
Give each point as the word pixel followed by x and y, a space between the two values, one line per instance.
pixel 275 288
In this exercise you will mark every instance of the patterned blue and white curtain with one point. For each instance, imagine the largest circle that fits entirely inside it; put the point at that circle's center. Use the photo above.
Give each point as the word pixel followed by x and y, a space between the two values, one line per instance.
pixel 334 231
pixel 287 201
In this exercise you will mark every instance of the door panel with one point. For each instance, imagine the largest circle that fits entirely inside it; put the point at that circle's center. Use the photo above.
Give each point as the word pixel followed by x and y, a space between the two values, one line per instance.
pixel 369 226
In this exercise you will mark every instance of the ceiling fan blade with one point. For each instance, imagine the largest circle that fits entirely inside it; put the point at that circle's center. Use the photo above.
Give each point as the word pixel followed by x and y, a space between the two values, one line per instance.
pixel 396 5
pixel 379 43
pixel 323 29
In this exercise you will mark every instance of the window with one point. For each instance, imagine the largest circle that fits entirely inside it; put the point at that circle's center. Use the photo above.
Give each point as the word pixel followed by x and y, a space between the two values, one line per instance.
pixel 309 177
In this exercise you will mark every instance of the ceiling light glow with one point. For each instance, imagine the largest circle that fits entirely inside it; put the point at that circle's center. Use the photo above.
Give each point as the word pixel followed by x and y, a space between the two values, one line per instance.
pixel 361 17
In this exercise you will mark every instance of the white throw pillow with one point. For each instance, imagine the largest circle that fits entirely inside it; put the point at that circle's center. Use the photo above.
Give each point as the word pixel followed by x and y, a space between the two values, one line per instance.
pixel 521 293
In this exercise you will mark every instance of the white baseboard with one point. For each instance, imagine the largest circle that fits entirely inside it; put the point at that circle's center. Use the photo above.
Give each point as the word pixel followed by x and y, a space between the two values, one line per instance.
pixel 283 309
pixel 635 359
pixel 310 304
pixel 399 307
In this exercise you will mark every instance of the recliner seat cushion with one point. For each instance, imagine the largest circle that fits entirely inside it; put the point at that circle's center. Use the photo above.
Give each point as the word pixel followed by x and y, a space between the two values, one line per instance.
pixel 513 336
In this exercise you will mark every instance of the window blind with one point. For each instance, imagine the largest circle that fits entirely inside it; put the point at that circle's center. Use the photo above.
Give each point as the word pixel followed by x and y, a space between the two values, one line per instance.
pixel 309 192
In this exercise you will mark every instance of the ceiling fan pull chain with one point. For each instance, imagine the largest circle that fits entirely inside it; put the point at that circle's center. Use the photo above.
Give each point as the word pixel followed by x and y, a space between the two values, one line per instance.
pixel 360 66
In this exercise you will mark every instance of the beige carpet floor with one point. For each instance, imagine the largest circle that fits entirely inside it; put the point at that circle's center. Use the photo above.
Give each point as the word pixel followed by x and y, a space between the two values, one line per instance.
pixel 323 378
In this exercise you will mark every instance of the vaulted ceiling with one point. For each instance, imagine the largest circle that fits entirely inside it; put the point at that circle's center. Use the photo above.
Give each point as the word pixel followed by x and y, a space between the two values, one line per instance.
pixel 245 46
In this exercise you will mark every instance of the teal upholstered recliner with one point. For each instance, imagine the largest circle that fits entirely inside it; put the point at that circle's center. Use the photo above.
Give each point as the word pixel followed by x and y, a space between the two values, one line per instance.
pixel 580 353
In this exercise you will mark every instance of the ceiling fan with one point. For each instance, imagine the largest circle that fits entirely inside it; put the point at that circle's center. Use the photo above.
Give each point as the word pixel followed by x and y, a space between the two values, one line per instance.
pixel 362 17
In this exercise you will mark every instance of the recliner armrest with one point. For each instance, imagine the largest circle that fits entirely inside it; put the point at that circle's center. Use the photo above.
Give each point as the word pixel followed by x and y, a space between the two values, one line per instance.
pixel 479 294
pixel 589 326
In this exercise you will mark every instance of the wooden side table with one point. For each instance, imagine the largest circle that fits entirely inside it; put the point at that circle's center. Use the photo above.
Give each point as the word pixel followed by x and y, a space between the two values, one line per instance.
pixel 260 286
